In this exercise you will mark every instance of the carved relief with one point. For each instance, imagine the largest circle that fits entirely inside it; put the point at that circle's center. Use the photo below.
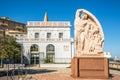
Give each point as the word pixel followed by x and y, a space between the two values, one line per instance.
pixel 89 36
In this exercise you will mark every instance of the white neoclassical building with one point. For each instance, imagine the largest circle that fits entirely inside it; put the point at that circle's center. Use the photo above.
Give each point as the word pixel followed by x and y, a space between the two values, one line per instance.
pixel 48 41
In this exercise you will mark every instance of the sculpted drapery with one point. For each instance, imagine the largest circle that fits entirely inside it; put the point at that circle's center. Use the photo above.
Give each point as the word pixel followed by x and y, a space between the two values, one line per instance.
pixel 89 36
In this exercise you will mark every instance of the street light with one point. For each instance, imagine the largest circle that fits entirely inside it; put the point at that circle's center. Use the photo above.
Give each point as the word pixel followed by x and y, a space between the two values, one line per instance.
pixel 22 54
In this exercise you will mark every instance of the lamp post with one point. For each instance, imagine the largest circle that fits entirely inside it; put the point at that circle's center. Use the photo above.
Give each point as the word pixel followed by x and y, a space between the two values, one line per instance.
pixel 22 57
pixel 22 52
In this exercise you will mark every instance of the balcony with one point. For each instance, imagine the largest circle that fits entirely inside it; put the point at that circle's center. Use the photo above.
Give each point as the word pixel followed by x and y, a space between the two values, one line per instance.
pixel 19 27
pixel 41 40
pixel 4 24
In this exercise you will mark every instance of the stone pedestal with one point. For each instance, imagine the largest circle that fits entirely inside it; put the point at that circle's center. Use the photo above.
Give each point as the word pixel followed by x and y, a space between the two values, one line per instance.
pixel 90 67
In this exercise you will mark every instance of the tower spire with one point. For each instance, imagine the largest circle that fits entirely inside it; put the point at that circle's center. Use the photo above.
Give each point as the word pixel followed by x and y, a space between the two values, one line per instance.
pixel 46 17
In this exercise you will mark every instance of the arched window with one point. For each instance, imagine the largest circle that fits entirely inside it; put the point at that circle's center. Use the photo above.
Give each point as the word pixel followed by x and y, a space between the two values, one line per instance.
pixel 50 48
pixel 50 53
pixel 34 47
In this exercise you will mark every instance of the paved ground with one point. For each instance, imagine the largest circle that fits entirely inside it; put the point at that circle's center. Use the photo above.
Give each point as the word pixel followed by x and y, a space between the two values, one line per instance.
pixel 53 73
pixel 64 76
pixel 55 65
pixel 57 73
pixel 9 78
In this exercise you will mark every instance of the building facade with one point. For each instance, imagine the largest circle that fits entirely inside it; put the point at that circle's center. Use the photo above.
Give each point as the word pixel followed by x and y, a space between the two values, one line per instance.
pixel 12 28
pixel 47 41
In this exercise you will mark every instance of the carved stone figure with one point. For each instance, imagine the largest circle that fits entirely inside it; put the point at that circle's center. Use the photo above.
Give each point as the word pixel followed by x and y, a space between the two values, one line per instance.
pixel 89 36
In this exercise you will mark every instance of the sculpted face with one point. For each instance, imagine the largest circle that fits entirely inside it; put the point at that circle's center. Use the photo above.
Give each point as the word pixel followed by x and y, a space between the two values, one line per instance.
pixel 84 16
pixel 89 37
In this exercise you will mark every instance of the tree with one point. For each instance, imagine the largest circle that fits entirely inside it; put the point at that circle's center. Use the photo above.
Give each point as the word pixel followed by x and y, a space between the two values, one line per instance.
pixel 9 48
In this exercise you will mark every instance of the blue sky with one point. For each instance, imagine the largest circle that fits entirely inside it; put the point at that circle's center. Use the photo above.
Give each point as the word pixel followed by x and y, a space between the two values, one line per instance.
pixel 106 11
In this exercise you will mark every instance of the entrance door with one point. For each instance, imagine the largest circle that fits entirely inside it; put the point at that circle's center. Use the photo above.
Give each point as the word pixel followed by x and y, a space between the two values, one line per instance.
pixel 50 57
pixel 34 54
pixel 50 53
pixel 34 58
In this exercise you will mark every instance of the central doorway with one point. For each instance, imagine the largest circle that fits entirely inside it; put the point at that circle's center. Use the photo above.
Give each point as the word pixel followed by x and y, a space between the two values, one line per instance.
pixel 34 58
pixel 50 53
pixel 35 55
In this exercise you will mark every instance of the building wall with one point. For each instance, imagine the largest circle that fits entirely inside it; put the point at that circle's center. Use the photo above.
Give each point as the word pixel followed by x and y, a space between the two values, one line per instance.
pixel 62 49
pixel 43 32
pixel 63 52
pixel 8 24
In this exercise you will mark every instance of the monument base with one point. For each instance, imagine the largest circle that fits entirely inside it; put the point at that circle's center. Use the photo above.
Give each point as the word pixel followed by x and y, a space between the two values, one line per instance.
pixel 90 67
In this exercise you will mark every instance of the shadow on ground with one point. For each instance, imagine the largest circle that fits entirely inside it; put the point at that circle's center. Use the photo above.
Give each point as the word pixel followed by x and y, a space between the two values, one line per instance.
pixel 41 71
pixel 24 71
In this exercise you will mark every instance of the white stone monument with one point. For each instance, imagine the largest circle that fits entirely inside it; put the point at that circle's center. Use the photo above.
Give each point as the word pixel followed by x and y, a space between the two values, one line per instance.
pixel 89 61
pixel 89 37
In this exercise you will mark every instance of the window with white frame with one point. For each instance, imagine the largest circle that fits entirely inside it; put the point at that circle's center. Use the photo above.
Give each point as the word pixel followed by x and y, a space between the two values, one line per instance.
pixel 48 35
pixel 60 35
pixel 36 35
